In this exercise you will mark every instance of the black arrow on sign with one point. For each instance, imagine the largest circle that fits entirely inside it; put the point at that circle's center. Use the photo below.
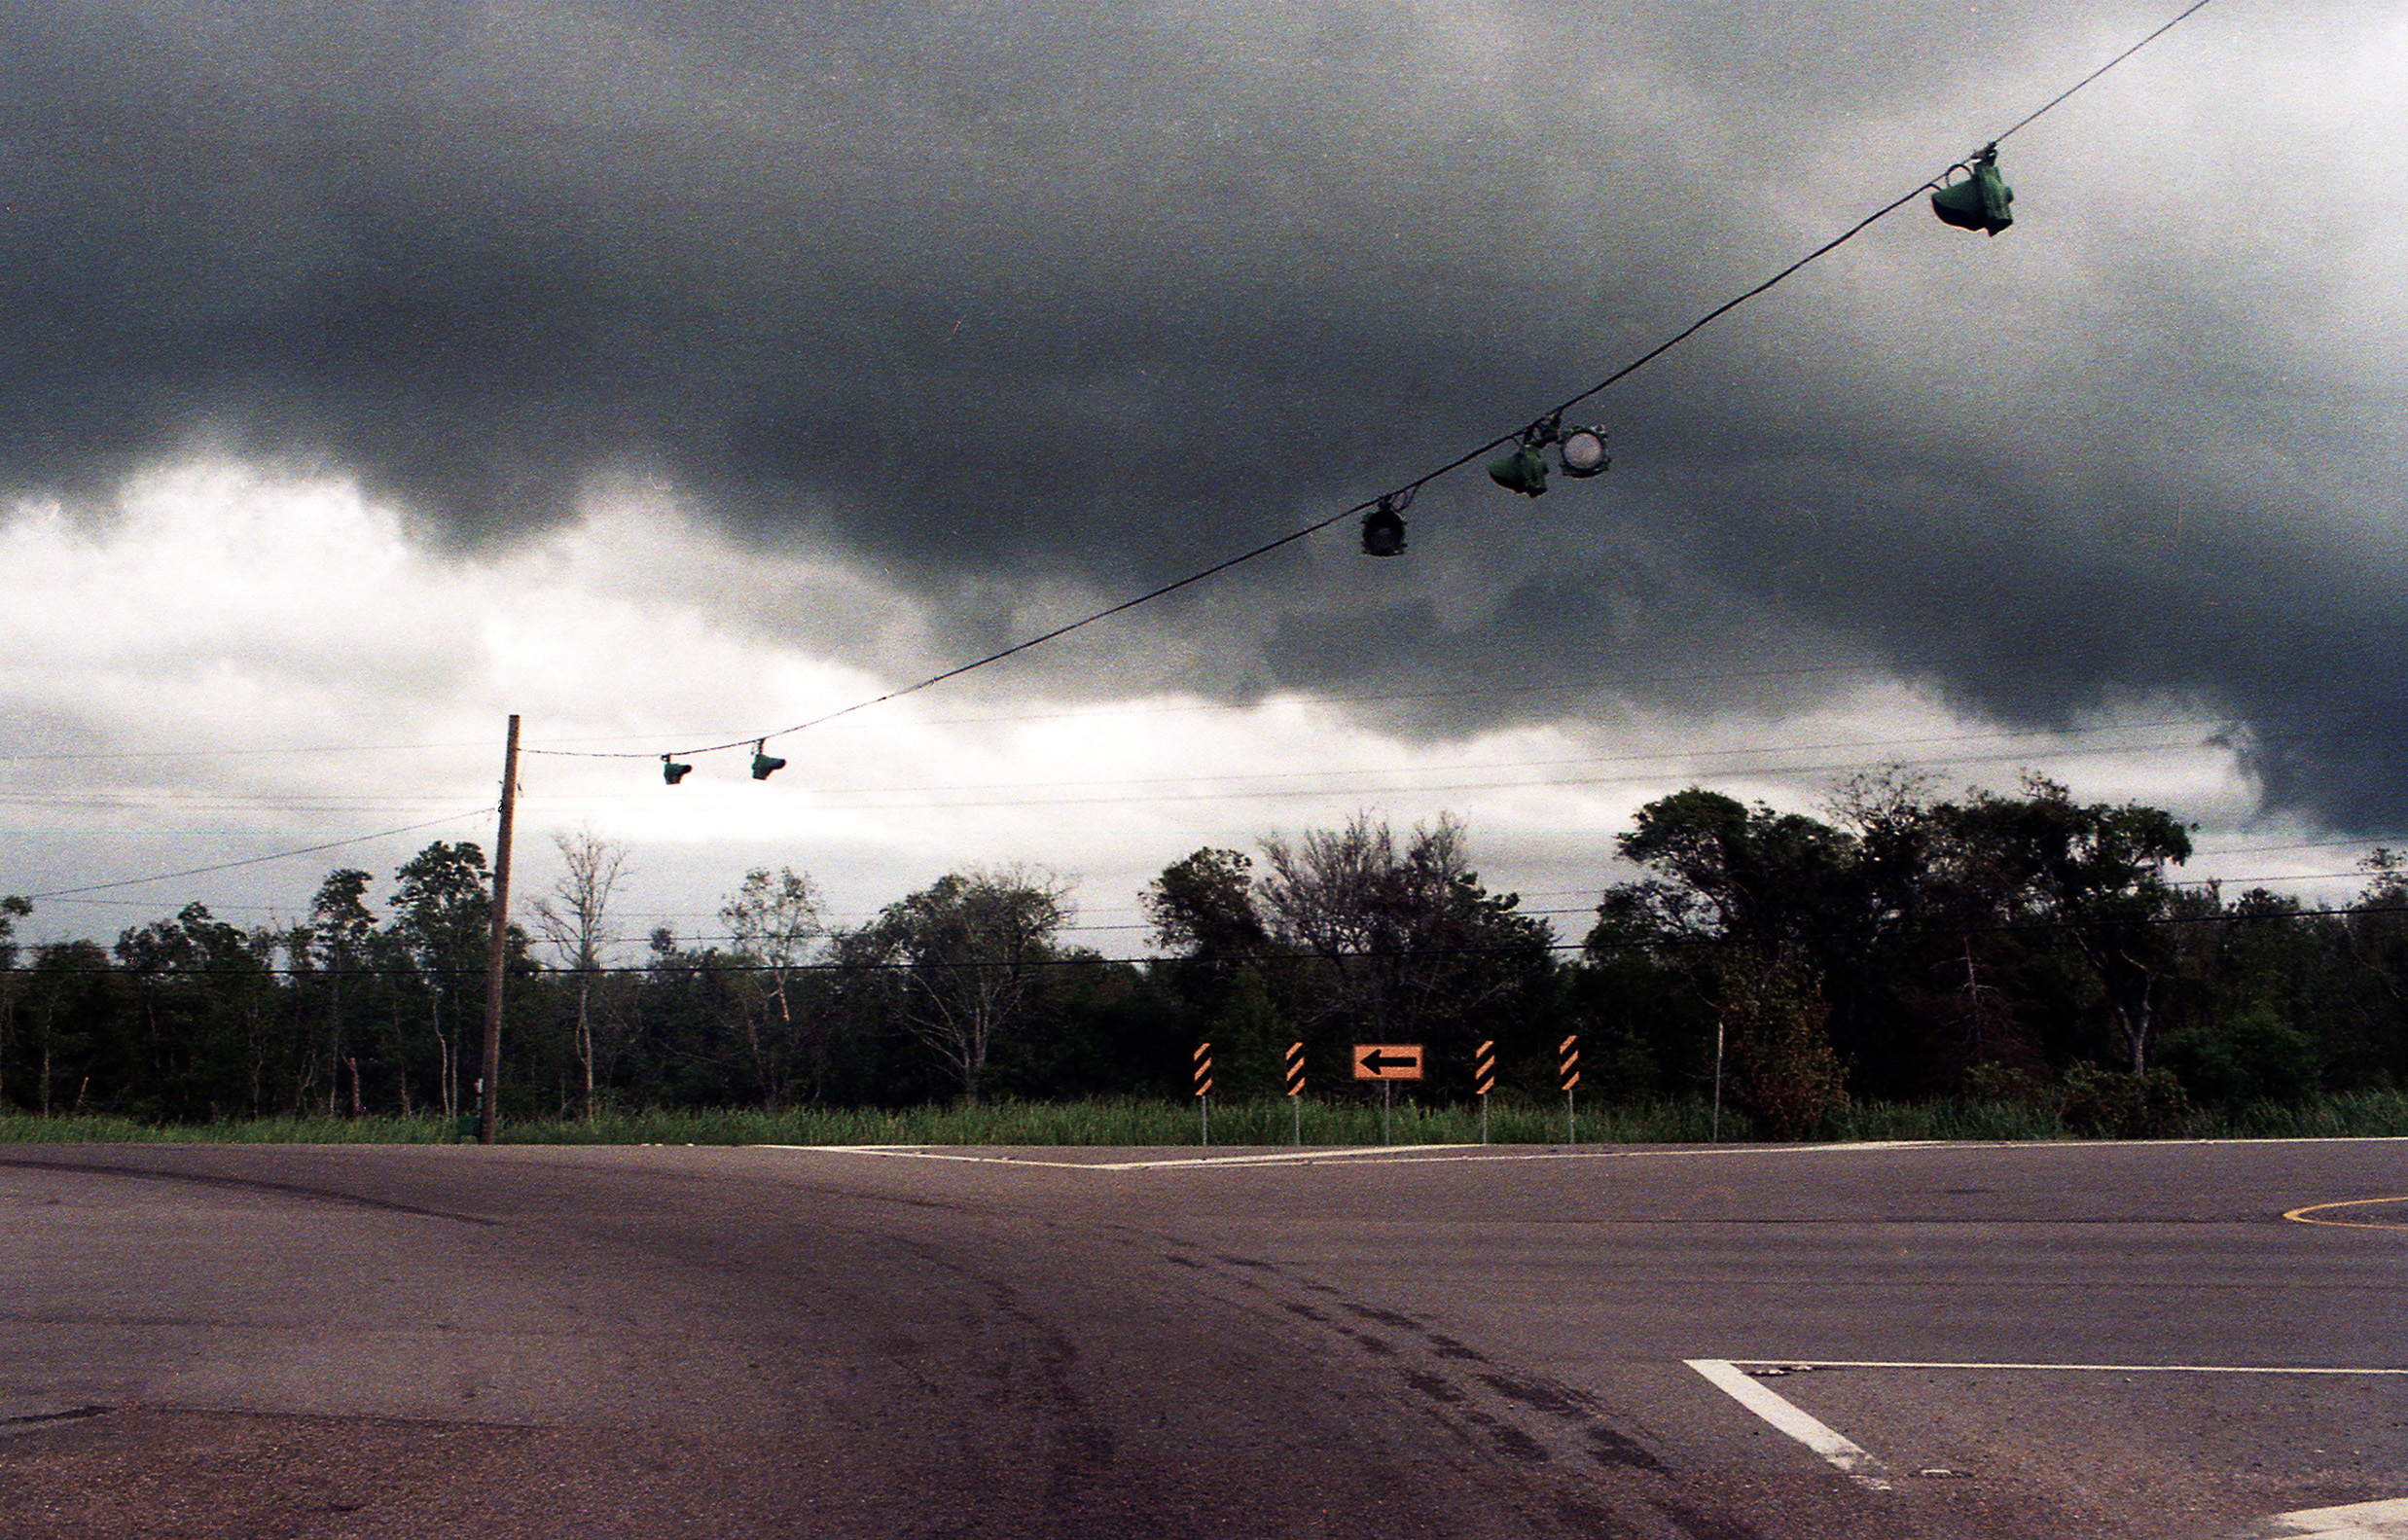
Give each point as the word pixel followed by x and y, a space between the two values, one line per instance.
pixel 1375 1062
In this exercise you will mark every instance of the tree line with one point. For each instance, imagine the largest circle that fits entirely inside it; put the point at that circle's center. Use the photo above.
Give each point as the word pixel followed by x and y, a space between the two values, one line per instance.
pixel 1903 946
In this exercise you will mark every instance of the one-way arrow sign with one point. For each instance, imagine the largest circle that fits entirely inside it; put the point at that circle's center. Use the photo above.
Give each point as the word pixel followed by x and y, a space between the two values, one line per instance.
pixel 1388 1061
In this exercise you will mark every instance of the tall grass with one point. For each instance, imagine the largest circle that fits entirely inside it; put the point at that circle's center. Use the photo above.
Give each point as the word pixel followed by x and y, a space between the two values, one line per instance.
pixel 1135 1122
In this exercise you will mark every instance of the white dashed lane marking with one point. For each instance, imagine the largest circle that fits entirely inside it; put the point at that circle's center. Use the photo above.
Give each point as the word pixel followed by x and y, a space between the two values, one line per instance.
pixel 2379 1521
pixel 2386 1520
pixel 1842 1451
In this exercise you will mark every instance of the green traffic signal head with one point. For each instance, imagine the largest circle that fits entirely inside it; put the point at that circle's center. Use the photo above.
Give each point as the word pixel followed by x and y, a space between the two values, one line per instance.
pixel 1519 469
pixel 1980 201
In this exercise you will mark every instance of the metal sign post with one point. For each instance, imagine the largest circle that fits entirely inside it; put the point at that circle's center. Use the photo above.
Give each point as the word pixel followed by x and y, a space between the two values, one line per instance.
pixel 1715 1137
pixel 1386 1062
pixel 1568 1051
pixel 1204 1090
pixel 1296 1088
pixel 1484 1080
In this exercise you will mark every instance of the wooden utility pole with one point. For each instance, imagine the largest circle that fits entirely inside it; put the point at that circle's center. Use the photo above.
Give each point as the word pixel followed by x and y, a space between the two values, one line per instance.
pixel 489 1082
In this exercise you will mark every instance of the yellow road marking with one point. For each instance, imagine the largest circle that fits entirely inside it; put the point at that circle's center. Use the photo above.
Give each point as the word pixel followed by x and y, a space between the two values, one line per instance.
pixel 2300 1215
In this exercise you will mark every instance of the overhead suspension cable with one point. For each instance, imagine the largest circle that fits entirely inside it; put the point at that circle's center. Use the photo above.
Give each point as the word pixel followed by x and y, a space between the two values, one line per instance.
pixel 1397 497
pixel 724 964
pixel 280 855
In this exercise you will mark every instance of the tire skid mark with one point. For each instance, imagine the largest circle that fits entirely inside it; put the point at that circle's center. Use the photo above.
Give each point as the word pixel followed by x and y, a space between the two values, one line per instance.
pixel 1617 1450
pixel 1079 1449
pixel 1449 1348
pixel 1553 1399
pixel 1704 1527
pixel 1537 1422
pixel 238 1184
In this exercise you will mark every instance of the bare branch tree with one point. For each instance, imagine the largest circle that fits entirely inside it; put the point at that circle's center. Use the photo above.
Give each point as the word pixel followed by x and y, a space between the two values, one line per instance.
pixel 579 927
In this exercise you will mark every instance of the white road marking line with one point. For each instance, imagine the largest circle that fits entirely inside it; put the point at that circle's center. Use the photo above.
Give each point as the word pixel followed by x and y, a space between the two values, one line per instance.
pixel 1852 1459
pixel 916 1152
pixel 2301 1216
pixel 1361 1155
pixel 2386 1520
pixel 1423 1154
pixel 2114 1369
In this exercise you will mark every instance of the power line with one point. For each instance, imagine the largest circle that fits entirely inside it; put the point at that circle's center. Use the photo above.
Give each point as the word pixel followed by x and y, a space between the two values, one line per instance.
pixel 1398 496
pixel 838 801
pixel 2053 101
pixel 280 855
pixel 714 964
pixel 2037 745
pixel 240 753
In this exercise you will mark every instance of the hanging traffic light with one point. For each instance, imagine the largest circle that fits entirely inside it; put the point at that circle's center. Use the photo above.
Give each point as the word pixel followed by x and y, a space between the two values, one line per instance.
pixel 1383 530
pixel 763 764
pixel 1583 452
pixel 673 772
pixel 1521 469
pixel 1979 202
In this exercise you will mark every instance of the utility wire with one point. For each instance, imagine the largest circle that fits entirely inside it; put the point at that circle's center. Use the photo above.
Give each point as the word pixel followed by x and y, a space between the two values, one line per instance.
pixel 2109 65
pixel 280 855
pixel 1400 495
pixel 1254 784
pixel 1294 959
pixel 1624 770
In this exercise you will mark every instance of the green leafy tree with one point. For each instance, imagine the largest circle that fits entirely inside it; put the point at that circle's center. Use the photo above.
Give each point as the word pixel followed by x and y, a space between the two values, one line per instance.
pixel 79 1009
pixel 1404 944
pixel 1749 876
pixel 442 927
pixel 1205 913
pixel 963 957
pixel 2096 872
pixel 776 922
pixel 1749 905
pixel 335 945
pixel 205 990
pixel 1204 907
pixel 1783 1067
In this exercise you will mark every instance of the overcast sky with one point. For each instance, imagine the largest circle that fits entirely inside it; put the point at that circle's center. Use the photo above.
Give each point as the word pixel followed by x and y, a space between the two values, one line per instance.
pixel 676 374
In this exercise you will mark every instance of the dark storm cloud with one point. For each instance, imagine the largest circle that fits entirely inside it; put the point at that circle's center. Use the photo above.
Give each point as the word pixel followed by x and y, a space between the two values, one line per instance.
pixel 998 294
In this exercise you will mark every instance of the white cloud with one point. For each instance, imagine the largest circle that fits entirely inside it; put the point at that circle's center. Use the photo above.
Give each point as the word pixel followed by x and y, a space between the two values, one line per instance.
pixel 272 663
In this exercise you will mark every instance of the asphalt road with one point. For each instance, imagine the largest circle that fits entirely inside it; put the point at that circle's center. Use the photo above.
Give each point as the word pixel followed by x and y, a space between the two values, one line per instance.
pixel 1697 1344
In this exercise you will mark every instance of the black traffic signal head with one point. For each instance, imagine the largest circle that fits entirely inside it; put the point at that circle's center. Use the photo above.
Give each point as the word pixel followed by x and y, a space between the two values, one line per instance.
pixel 1383 532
